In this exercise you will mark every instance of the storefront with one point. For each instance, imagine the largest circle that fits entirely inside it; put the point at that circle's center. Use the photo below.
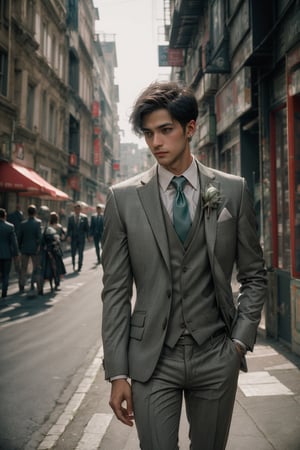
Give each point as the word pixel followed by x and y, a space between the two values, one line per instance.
pixel 22 185
pixel 293 137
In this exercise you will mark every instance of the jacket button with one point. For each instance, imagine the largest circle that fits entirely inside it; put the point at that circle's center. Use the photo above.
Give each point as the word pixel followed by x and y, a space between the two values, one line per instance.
pixel 165 324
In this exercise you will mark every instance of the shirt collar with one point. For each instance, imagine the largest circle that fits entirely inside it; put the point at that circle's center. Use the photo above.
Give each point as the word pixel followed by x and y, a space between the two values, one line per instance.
pixel 191 174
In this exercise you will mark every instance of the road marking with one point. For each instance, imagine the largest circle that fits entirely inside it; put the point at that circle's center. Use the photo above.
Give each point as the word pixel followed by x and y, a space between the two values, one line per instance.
pixel 259 384
pixel 72 407
pixel 94 432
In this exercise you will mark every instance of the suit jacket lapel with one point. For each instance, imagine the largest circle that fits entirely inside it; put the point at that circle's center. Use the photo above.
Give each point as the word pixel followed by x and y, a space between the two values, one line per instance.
pixel 207 178
pixel 148 192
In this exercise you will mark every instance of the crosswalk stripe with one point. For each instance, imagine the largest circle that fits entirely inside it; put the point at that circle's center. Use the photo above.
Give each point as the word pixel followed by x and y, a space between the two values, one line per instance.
pixel 72 407
pixel 260 384
pixel 94 432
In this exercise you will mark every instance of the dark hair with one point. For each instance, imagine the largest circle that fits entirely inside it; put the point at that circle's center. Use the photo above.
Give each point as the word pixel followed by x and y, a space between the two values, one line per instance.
pixel 2 213
pixel 53 217
pixel 179 101
pixel 31 210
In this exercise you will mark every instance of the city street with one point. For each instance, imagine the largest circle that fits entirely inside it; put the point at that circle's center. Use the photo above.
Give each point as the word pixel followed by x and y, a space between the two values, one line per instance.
pixel 53 394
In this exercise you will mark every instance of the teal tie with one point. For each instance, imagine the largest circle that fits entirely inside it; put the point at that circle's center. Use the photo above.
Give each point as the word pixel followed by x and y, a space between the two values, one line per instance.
pixel 181 216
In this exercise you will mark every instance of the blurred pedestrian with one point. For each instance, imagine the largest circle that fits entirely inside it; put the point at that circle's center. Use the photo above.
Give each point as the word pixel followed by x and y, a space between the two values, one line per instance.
pixel 53 267
pixel 30 238
pixel 77 233
pixel 8 249
pixel 16 218
pixel 176 232
pixel 96 230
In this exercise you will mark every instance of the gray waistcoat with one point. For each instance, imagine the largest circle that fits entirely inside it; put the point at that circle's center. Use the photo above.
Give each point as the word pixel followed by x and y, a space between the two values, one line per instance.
pixel 194 308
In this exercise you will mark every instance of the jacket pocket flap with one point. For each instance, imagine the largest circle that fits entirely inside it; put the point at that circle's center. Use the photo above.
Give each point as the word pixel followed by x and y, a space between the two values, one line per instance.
pixel 138 319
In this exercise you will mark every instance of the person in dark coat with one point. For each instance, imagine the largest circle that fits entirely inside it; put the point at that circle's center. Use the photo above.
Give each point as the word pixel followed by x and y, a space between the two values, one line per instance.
pixel 96 230
pixel 52 255
pixel 8 249
pixel 77 232
pixel 16 218
pixel 30 238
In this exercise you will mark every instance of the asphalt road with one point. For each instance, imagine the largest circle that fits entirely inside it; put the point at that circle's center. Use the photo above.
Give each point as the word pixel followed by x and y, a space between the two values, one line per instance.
pixel 46 345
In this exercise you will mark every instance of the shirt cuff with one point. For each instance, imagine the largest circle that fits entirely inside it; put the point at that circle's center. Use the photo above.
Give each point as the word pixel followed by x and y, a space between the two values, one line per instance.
pixel 118 377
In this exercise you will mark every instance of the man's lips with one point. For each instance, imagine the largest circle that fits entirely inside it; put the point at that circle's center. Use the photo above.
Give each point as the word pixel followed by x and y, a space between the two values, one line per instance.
pixel 160 153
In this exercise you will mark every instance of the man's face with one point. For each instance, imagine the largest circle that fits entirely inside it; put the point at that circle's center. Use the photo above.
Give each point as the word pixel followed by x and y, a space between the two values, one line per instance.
pixel 77 210
pixel 167 140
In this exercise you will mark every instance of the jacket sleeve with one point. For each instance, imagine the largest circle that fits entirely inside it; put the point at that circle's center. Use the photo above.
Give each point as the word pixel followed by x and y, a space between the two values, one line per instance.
pixel 117 291
pixel 251 274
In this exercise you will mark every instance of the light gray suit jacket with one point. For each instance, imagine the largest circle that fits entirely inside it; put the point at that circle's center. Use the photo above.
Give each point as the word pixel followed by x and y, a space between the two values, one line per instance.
pixel 135 250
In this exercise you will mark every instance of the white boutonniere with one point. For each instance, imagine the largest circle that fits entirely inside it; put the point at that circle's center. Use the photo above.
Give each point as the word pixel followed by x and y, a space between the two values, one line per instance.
pixel 211 199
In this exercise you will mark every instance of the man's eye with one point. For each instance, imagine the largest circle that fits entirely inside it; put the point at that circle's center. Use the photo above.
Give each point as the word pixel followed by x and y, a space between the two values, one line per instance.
pixel 166 130
pixel 147 134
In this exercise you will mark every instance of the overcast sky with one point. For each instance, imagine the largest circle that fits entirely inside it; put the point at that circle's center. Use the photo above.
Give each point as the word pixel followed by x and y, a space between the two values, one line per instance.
pixel 138 29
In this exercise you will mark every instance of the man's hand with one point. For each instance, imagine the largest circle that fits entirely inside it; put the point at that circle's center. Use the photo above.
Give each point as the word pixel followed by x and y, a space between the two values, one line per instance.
pixel 121 392
pixel 241 351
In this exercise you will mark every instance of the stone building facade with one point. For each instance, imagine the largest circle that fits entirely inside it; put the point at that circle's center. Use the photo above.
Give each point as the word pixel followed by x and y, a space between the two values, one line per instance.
pixel 49 82
pixel 242 60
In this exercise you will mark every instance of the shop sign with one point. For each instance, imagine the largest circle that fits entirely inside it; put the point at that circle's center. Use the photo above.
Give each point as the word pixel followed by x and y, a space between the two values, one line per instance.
pixel 234 99
pixel 73 159
pixel 116 165
pixel 73 182
pixel 97 152
pixel 170 57
pixel 95 109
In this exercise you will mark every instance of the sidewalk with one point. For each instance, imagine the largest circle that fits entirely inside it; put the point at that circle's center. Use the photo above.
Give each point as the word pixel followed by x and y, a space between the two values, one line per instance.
pixel 266 413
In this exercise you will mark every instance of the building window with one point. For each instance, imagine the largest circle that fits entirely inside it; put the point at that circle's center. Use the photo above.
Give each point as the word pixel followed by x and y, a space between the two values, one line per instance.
pixel 4 13
pixel 3 72
pixel 30 106
pixel 72 18
pixel 45 39
pixel 52 124
pixel 44 115
pixel 30 15
pixel 61 63
pixel 217 22
pixel 230 160
pixel 74 72
pixel 37 27
pixel 280 187
pixel 53 53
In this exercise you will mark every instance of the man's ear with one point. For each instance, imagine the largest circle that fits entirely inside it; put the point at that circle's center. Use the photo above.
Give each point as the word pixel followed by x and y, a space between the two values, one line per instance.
pixel 190 128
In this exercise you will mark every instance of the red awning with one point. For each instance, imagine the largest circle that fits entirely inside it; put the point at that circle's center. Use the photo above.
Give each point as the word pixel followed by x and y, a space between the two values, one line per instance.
pixel 17 178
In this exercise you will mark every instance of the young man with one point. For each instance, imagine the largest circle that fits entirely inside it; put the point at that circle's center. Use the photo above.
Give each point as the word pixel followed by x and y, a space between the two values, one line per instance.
pixel 8 249
pixel 77 232
pixel 178 239
pixel 96 230
pixel 30 238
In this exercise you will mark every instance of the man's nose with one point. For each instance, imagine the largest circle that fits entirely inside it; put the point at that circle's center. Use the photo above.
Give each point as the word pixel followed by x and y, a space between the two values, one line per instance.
pixel 157 141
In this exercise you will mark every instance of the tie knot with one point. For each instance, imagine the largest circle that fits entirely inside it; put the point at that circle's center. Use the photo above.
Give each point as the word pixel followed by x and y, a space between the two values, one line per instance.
pixel 179 182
